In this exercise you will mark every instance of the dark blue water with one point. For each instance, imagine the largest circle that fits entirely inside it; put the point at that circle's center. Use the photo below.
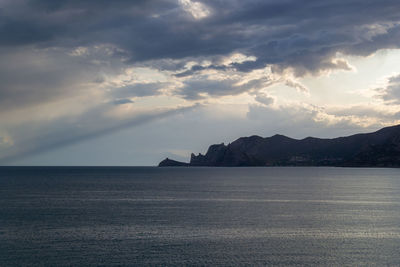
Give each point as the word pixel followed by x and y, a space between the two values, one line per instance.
pixel 199 216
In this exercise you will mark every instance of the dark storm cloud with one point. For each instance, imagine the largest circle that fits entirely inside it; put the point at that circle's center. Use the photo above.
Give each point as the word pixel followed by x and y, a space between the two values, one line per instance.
pixel 301 34
pixel 197 68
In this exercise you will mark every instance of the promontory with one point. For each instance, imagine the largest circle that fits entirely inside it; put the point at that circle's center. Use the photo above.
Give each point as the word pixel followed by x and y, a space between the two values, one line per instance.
pixel 377 149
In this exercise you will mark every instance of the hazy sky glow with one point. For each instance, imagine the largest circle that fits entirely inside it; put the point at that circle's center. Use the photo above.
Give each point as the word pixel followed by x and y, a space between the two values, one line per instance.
pixel 123 82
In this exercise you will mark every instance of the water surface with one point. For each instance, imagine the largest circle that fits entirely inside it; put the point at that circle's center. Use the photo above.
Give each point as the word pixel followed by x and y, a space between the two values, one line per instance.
pixel 199 216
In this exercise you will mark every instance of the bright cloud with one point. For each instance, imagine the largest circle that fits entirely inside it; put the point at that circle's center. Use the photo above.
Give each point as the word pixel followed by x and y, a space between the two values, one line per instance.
pixel 197 9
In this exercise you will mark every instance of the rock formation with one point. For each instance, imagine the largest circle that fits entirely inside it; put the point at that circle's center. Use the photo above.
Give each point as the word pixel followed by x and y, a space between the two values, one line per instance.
pixel 377 149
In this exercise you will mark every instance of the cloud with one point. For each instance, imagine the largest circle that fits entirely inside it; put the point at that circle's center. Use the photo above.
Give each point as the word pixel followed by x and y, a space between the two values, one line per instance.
pixel 391 92
pixel 196 9
pixel 305 35
pixel 139 89
pixel 50 50
pixel 372 112
pixel 69 63
pixel 122 101
pixel 264 99
pixel 31 77
pixel 296 85
pixel 300 120
pixel 204 86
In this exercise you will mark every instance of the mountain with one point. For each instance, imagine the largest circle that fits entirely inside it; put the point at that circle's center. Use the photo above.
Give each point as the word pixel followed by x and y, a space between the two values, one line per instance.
pixel 169 162
pixel 377 149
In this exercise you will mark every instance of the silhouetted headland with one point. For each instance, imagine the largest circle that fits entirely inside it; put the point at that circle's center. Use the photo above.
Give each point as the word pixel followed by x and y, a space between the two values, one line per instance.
pixel 169 162
pixel 377 149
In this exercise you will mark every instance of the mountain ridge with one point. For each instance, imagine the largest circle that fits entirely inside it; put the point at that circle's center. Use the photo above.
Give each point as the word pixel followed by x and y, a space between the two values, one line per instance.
pixel 377 149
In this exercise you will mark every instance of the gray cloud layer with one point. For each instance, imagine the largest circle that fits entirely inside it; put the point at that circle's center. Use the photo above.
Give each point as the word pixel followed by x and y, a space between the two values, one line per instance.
pixel 303 34
pixel 54 51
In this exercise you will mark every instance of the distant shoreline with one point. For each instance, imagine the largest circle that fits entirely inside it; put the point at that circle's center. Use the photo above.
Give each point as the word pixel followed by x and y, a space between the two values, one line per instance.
pixel 378 149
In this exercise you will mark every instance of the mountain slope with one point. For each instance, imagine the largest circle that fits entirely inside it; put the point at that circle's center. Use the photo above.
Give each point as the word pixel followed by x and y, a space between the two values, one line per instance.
pixel 380 149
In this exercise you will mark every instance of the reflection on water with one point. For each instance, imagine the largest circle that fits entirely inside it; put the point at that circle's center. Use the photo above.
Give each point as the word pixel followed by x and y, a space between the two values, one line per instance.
pixel 199 216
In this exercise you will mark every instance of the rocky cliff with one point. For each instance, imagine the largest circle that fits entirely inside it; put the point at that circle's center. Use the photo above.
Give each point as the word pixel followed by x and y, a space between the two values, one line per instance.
pixel 377 149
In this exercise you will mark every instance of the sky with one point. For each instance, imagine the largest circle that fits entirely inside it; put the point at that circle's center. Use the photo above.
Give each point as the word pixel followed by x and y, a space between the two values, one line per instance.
pixel 122 82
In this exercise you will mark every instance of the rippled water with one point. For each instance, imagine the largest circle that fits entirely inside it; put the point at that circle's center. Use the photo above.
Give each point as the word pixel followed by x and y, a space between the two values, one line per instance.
pixel 199 216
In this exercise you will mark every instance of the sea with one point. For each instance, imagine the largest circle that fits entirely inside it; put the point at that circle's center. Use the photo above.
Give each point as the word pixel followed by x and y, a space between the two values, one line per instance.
pixel 199 216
